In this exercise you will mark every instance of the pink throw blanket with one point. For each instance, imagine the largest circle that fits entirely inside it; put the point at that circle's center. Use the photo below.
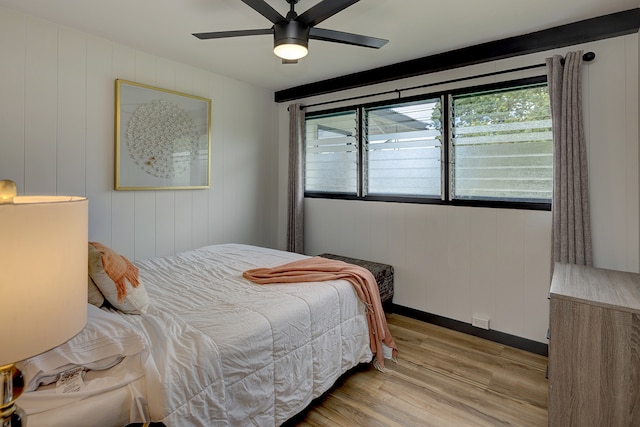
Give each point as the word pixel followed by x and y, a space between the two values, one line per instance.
pixel 318 269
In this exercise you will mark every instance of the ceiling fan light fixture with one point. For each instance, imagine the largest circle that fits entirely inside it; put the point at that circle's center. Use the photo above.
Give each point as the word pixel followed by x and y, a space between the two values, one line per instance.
pixel 290 51
pixel 290 40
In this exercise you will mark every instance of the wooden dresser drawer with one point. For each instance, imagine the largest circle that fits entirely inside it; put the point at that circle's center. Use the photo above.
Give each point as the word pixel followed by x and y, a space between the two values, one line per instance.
pixel 594 347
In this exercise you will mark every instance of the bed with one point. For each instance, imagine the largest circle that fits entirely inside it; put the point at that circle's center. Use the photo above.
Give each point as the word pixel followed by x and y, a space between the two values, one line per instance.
pixel 211 348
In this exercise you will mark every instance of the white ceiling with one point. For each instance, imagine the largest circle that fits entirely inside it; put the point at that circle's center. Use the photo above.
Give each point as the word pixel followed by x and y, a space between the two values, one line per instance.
pixel 415 28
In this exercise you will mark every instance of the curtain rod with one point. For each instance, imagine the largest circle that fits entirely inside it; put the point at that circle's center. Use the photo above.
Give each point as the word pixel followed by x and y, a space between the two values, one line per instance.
pixel 587 57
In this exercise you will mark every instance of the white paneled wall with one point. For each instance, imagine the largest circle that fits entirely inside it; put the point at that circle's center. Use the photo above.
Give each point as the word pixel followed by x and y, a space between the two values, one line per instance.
pixel 611 114
pixel 57 137
pixel 460 261
pixel 449 260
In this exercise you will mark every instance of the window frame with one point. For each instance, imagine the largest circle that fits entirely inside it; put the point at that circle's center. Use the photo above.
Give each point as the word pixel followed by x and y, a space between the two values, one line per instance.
pixel 358 129
pixel 447 169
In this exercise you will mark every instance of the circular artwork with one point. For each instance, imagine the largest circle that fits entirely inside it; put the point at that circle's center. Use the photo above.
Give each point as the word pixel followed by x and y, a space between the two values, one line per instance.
pixel 162 139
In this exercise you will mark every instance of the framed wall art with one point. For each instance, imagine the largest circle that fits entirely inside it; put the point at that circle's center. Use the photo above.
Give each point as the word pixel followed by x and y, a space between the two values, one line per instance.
pixel 162 138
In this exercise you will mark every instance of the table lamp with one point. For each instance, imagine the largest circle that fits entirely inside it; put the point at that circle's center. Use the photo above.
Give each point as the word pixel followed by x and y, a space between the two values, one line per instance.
pixel 43 282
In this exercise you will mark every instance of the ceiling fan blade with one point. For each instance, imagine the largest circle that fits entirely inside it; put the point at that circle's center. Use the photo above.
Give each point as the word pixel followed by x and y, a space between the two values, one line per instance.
pixel 346 38
pixel 237 33
pixel 323 10
pixel 263 8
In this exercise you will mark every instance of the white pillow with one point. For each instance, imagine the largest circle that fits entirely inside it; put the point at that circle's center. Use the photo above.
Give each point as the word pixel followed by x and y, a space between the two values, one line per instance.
pixel 132 299
pixel 104 342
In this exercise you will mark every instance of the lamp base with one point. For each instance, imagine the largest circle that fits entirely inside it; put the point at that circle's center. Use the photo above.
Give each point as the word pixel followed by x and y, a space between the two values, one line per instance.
pixel 11 386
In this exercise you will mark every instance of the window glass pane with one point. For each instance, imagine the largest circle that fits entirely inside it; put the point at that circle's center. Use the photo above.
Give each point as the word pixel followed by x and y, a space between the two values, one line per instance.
pixel 502 145
pixel 331 153
pixel 404 149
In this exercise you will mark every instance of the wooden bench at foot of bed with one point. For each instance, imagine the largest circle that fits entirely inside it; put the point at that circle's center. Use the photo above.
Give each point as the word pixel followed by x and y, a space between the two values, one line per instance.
pixel 382 272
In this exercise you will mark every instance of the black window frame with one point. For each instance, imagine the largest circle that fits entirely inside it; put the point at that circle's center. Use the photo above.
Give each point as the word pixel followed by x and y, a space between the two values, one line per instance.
pixel 444 198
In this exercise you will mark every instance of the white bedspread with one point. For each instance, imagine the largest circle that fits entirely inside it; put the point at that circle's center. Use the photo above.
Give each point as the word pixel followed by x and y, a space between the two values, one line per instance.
pixel 222 351
pixel 230 352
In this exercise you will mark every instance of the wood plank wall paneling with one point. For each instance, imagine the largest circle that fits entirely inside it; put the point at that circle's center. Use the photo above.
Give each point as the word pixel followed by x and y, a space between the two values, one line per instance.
pixel 455 261
pixel 611 118
pixel 72 113
pixel 41 107
pixel 12 106
pixel 99 148
pixel 56 136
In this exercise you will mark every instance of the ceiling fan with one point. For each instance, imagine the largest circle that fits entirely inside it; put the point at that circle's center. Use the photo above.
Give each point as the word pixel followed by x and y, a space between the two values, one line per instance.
pixel 291 34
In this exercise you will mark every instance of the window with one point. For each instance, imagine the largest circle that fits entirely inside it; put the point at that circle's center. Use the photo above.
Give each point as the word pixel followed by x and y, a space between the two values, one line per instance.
pixel 331 153
pixel 489 145
pixel 502 145
pixel 404 149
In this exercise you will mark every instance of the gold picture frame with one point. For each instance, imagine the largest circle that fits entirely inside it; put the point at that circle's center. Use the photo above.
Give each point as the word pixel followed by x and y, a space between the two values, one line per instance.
pixel 162 139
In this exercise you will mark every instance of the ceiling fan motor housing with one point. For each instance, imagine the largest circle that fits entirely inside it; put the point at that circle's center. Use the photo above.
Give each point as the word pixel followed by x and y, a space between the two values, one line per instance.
pixel 291 32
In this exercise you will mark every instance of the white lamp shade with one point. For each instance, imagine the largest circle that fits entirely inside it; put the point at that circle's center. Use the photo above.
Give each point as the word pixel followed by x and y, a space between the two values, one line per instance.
pixel 43 273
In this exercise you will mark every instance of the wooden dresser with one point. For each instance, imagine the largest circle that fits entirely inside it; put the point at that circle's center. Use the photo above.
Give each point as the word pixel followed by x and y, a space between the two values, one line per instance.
pixel 594 347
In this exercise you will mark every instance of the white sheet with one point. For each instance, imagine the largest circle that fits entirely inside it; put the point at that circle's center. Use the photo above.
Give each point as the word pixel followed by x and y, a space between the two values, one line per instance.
pixel 225 351
pixel 111 398
pixel 104 342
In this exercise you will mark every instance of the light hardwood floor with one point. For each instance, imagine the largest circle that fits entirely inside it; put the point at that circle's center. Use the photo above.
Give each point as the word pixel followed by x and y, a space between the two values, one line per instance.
pixel 442 378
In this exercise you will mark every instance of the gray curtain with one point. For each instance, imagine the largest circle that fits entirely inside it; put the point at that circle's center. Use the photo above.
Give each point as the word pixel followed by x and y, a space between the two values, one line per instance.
pixel 295 225
pixel 571 224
